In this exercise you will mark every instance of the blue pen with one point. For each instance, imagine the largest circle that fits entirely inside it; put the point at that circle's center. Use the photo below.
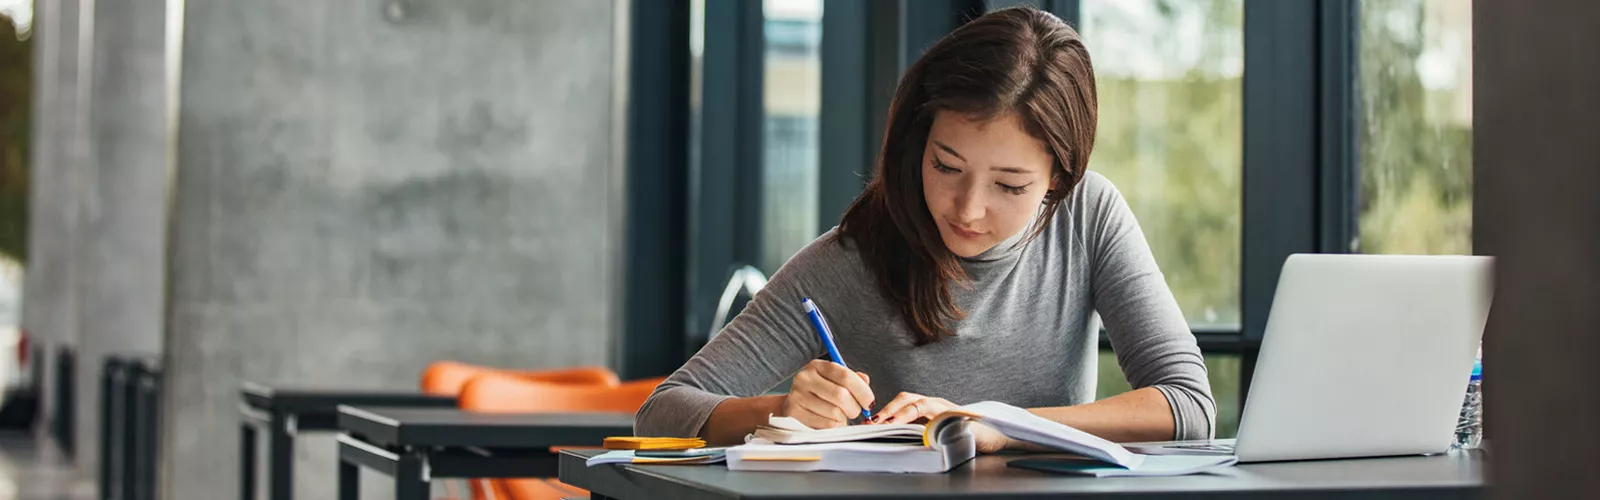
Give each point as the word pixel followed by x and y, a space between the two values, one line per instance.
pixel 827 338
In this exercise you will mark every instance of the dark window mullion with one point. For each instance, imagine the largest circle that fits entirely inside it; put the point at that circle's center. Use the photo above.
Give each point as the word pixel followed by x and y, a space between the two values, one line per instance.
pixel 1339 174
pixel 1280 148
pixel 924 22
pixel 657 192
pixel 726 201
pixel 1299 145
pixel 846 144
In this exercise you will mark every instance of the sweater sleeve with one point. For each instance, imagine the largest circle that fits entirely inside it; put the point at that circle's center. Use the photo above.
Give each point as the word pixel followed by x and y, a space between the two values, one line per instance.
pixel 766 343
pixel 1148 333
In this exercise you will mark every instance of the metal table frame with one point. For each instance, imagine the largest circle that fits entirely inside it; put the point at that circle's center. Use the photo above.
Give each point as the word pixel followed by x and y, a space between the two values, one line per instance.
pixel 285 413
pixel 459 444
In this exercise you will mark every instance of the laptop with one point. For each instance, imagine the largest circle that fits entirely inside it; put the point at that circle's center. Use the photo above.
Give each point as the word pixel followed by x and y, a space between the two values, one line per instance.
pixel 1363 355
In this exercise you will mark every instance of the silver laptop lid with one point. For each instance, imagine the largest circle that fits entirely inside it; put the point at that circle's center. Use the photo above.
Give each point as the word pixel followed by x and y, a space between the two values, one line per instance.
pixel 1365 355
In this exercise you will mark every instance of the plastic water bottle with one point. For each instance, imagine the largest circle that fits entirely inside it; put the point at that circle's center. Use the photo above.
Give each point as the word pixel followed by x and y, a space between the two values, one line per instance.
pixel 1469 429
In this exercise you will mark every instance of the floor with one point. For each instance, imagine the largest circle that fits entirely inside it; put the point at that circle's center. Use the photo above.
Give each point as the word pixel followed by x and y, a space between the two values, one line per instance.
pixel 33 471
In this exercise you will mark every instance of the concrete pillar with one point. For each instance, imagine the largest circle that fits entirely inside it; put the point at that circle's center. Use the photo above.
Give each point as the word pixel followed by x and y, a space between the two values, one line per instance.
pixel 50 286
pixel 122 219
pixel 34 314
pixel 363 187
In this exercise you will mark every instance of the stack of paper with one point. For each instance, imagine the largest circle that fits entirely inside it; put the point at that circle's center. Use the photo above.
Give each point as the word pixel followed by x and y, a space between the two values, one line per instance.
pixel 652 443
pixel 787 445
pixel 786 430
pixel 763 455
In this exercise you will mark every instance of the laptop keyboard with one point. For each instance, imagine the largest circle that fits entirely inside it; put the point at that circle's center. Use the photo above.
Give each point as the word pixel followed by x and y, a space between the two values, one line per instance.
pixel 1217 447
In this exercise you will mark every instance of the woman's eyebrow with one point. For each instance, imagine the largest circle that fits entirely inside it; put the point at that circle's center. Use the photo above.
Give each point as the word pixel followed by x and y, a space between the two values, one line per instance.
pixel 948 149
pixel 952 151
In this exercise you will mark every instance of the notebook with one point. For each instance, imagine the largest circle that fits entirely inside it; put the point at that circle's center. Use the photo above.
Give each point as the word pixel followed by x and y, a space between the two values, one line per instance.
pixel 651 443
pixel 686 457
pixel 787 445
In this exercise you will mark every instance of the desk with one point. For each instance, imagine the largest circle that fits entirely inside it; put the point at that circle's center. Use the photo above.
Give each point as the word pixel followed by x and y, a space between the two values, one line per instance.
pixel 418 445
pixel 287 412
pixel 988 477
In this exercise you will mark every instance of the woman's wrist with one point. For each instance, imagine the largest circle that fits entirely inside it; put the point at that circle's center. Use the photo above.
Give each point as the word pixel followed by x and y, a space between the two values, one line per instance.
pixel 734 418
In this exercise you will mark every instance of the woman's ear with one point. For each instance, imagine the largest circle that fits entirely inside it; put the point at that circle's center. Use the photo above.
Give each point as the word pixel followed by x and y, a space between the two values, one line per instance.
pixel 1055 183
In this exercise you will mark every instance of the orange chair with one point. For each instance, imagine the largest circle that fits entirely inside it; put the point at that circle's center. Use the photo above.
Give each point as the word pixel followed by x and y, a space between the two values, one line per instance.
pixel 446 378
pixel 502 393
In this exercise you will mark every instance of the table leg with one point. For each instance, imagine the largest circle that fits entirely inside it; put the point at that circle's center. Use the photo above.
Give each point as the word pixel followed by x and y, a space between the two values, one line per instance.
pixel 280 466
pixel 409 481
pixel 349 481
pixel 247 461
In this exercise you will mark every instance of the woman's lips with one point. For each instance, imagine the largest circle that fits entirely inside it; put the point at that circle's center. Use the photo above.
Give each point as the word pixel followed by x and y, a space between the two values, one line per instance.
pixel 963 232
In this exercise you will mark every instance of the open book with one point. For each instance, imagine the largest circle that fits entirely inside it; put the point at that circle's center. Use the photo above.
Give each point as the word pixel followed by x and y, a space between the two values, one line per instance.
pixel 945 442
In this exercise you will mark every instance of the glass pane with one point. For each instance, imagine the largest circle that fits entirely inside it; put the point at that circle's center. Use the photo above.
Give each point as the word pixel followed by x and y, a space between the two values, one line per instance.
pixel 793 85
pixel 1415 136
pixel 1224 371
pixel 1170 74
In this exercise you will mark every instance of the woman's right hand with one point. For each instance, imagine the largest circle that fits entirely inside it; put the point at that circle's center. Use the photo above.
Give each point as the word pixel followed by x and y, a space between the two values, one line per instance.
pixel 827 395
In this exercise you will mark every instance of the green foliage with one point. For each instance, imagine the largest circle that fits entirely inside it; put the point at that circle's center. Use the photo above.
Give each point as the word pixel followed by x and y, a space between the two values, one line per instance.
pixel 1179 167
pixel 1416 153
pixel 1173 146
pixel 16 80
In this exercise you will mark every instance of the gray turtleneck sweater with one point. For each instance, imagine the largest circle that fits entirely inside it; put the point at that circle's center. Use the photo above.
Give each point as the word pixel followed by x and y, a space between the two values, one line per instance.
pixel 1026 340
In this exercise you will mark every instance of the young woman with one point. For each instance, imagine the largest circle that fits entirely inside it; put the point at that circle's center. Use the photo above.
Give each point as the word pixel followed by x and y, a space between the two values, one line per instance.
pixel 967 271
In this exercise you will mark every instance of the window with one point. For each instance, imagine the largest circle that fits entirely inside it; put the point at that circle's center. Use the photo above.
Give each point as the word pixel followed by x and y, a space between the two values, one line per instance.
pixel 1415 127
pixel 1169 75
pixel 792 101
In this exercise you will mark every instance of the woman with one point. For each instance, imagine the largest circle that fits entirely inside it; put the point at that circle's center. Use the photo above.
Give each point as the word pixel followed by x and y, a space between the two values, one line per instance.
pixel 967 271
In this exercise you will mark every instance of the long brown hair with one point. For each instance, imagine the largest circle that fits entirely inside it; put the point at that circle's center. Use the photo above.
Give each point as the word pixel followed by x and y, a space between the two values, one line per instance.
pixel 1017 60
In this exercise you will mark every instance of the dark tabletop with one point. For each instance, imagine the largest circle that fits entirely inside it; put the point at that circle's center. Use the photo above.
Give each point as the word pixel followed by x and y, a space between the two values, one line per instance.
pixel 1442 476
pixel 450 427
pixel 327 400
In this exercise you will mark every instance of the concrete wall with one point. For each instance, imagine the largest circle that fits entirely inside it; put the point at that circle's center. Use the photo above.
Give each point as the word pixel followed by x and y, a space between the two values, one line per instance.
pixel 122 210
pixel 363 187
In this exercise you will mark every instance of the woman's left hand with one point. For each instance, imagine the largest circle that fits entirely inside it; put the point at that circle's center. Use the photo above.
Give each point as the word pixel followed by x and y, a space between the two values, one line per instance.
pixel 908 408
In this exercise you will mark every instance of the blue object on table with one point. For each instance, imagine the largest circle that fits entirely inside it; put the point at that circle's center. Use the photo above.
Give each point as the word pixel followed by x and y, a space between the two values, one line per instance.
pixel 821 325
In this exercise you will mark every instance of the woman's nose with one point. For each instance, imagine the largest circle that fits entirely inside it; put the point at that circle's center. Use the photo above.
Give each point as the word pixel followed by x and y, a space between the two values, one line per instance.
pixel 969 206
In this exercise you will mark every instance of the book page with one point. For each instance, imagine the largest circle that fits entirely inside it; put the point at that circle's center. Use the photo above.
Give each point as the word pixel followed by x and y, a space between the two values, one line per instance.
pixel 1017 423
pixel 786 430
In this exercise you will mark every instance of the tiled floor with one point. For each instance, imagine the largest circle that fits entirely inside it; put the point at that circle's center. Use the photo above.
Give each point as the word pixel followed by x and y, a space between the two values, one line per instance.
pixel 31 471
